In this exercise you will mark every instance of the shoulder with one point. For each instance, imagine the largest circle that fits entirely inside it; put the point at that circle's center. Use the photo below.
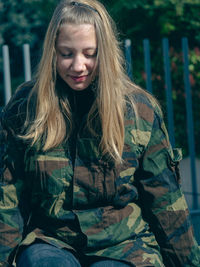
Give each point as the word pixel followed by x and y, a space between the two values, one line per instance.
pixel 14 113
pixel 143 115
pixel 143 106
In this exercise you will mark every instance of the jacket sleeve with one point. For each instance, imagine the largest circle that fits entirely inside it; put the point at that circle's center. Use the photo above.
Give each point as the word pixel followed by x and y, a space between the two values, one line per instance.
pixel 163 202
pixel 12 211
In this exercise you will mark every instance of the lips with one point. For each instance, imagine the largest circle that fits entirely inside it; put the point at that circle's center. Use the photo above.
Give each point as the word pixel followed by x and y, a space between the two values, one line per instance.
pixel 78 78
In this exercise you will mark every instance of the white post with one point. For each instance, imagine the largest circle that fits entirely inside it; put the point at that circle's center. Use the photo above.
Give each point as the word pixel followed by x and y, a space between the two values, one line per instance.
pixel 27 62
pixel 6 72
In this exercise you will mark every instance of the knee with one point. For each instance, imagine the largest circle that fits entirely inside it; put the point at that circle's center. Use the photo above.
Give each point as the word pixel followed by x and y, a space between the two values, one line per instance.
pixel 44 255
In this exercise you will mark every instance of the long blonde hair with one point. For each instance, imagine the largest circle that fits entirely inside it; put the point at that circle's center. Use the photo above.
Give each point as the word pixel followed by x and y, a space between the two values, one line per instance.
pixel 53 117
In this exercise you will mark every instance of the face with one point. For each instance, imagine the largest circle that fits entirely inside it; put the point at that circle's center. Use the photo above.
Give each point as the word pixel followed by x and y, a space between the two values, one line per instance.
pixel 76 50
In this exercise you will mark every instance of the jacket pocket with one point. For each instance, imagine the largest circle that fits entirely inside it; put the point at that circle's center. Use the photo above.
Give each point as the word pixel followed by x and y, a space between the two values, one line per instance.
pixel 49 171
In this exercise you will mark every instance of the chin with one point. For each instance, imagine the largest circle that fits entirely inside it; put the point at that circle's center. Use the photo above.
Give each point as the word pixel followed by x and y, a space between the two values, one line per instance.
pixel 78 88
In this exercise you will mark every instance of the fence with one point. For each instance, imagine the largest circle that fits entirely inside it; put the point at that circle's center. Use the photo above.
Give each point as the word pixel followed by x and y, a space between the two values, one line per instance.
pixel 195 212
pixel 147 62
pixel 6 69
pixel 170 114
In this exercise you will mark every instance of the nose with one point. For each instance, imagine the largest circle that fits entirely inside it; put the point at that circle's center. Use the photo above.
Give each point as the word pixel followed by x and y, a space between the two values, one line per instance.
pixel 78 64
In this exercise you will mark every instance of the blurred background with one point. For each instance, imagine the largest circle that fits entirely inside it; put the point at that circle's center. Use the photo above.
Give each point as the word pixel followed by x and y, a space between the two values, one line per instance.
pixel 25 22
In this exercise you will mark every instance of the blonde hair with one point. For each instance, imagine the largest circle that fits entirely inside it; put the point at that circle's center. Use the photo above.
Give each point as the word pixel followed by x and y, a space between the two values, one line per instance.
pixel 53 122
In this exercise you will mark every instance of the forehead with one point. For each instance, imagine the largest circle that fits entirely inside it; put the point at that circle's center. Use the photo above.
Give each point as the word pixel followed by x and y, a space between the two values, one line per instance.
pixel 74 35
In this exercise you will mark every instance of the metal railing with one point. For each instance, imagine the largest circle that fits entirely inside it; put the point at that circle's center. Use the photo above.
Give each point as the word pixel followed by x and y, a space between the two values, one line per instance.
pixel 6 69
pixel 169 101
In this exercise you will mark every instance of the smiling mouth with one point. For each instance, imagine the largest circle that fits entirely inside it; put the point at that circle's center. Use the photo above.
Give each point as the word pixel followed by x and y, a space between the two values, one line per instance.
pixel 79 78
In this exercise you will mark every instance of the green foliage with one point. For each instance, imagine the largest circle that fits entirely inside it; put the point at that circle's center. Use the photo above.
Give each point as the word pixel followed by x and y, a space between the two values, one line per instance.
pixel 155 19
pixel 23 21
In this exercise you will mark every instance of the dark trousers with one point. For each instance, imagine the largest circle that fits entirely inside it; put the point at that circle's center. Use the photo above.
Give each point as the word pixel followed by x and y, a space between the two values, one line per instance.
pixel 44 255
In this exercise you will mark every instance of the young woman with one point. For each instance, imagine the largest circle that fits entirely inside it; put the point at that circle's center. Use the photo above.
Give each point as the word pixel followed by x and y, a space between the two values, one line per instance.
pixel 88 177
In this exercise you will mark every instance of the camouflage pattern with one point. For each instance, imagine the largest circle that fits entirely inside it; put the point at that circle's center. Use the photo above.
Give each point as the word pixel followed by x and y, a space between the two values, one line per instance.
pixel 134 212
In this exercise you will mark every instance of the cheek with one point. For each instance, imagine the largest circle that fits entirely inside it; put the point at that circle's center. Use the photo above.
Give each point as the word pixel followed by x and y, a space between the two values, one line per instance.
pixel 92 65
pixel 62 65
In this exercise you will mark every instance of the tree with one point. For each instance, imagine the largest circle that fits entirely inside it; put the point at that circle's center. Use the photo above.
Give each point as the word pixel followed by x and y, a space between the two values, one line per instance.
pixel 23 21
pixel 157 18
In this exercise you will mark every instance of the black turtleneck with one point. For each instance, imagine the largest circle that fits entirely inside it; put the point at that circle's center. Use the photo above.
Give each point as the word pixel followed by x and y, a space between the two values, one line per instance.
pixel 80 101
pixel 80 104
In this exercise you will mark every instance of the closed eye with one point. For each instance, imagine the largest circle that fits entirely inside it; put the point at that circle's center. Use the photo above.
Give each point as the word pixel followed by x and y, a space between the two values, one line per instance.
pixel 66 55
pixel 90 52
pixel 91 56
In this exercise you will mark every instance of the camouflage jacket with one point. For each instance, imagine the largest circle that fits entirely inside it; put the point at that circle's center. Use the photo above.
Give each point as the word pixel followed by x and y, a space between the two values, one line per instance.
pixel 134 211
